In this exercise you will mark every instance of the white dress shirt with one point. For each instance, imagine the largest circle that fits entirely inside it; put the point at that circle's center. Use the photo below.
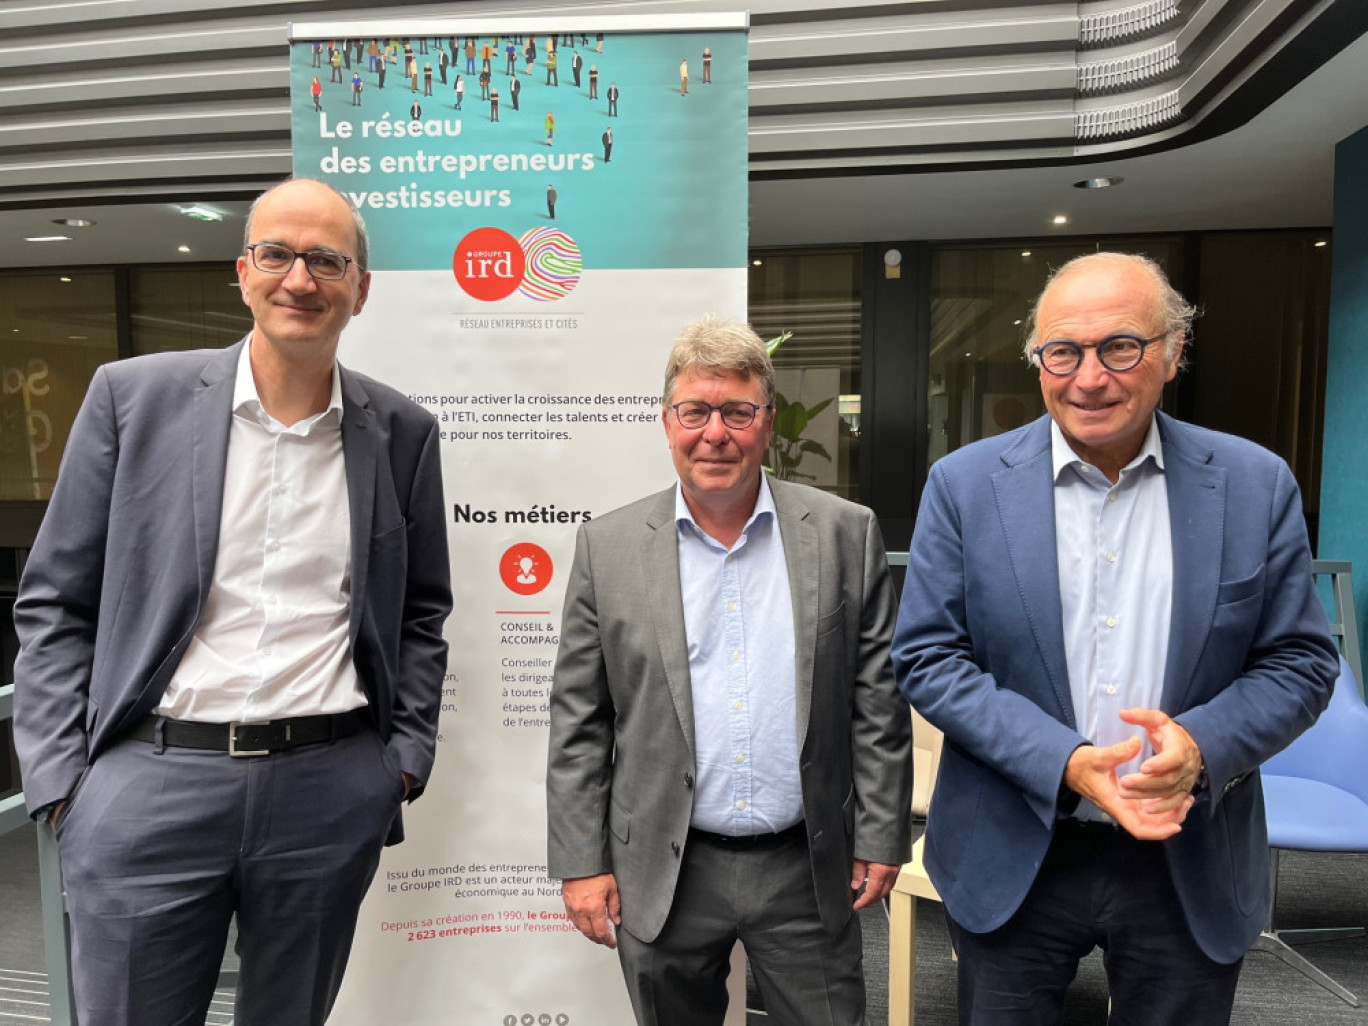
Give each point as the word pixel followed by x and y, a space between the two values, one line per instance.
pixel 1115 557
pixel 272 641
pixel 738 619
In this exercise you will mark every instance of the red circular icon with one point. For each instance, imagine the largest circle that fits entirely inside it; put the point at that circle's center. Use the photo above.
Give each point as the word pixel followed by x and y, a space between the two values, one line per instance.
pixel 488 264
pixel 525 568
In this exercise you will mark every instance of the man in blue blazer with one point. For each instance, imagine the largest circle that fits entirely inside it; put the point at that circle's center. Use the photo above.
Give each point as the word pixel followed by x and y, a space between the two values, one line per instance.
pixel 1111 616
pixel 231 644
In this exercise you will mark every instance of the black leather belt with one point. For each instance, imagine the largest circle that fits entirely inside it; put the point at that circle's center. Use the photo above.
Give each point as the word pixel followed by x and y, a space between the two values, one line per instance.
pixel 745 841
pixel 243 738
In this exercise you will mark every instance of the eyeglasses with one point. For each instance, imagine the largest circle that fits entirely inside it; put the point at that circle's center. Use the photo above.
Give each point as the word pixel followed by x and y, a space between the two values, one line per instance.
pixel 694 413
pixel 1115 353
pixel 322 264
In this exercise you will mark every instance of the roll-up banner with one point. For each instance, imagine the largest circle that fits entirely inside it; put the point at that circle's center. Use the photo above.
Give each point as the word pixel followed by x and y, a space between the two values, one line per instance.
pixel 549 201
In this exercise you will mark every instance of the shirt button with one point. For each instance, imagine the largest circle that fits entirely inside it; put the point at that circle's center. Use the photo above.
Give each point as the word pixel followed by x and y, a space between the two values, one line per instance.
pixel 1111 621
pixel 280 489
pixel 740 756
pixel 741 806
pixel 1111 496
pixel 1111 689
pixel 1111 557
pixel 739 705
pixel 273 546
pixel 735 656
pixel 731 606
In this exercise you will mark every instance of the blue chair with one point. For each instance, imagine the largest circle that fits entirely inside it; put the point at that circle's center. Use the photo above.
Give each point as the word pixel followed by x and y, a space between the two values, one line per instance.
pixel 1316 797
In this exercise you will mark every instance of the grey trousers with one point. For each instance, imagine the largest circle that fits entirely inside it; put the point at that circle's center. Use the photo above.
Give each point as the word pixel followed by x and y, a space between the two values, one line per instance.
pixel 763 895
pixel 161 846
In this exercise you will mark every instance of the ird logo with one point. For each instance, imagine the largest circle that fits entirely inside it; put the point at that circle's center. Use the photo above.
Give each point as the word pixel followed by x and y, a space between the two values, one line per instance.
pixel 490 264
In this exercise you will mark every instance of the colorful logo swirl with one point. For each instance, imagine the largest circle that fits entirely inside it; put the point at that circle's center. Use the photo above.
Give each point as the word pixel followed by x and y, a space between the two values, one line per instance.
pixel 553 264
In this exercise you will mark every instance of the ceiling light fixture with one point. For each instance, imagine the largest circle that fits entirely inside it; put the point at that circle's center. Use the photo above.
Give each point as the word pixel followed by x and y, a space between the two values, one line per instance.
pixel 73 222
pixel 1101 182
pixel 1321 243
pixel 182 248
pixel 65 279
pixel 1059 219
pixel 48 238
pixel 1025 252
pixel 201 213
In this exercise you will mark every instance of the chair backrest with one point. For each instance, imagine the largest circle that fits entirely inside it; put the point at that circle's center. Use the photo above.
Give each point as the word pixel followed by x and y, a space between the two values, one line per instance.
pixel 1335 749
pixel 926 753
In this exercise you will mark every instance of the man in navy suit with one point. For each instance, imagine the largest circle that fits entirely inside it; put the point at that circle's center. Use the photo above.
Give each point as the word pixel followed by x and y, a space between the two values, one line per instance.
pixel 1111 616
pixel 231 644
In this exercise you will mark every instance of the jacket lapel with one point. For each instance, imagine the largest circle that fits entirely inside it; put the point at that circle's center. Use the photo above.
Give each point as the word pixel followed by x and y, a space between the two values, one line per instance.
pixel 1024 492
pixel 359 450
pixel 212 420
pixel 1196 499
pixel 802 556
pixel 660 559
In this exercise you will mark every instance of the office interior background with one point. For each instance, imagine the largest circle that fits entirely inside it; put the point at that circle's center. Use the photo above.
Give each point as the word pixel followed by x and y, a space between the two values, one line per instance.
pixel 916 169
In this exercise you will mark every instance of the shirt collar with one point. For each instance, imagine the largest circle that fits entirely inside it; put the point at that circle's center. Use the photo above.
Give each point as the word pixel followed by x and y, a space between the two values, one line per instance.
pixel 1062 456
pixel 764 503
pixel 247 400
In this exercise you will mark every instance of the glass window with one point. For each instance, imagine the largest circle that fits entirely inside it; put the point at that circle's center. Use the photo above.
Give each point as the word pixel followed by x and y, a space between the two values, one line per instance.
pixel 174 308
pixel 56 327
pixel 815 296
pixel 1258 354
pixel 980 383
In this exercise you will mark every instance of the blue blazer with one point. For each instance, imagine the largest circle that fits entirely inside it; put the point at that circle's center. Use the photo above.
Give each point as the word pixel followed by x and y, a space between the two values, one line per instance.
pixel 979 651
pixel 120 571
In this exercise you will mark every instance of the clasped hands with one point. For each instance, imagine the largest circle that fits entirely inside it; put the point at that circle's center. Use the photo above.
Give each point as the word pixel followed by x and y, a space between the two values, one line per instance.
pixel 1151 803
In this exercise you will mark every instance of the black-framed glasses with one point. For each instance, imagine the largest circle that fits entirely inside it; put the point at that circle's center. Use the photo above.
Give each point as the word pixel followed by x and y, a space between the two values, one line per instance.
pixel 1115 352
pixel 322 264
pixel 694 413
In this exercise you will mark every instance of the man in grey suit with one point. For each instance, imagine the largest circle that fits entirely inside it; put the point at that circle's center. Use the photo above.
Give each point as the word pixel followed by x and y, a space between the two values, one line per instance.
pixel 231 644
pixel 728 754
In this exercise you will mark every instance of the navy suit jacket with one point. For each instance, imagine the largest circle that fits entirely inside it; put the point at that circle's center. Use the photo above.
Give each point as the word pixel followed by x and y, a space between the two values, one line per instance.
pixel 979 651
pixel 119 574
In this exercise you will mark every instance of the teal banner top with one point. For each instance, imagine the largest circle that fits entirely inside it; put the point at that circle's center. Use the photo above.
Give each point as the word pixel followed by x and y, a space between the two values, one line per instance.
pixel 629 145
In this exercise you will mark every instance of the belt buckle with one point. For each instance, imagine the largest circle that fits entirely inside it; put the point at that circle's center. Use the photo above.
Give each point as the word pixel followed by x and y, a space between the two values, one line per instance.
pixel 233 749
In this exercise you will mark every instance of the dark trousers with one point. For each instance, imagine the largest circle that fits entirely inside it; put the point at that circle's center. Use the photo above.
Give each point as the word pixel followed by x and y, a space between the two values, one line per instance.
pixel 1098 887
pixel 761 893
pixel 160 847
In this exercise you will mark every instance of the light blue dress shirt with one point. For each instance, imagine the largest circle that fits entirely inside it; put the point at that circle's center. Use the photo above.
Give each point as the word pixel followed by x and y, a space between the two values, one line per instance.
pixel 738 619
pixel 1115 557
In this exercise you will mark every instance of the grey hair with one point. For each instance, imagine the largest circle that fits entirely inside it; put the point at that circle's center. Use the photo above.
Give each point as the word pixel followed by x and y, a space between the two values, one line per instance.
pixel 362 237
pixel 717 344
pixel 1176 312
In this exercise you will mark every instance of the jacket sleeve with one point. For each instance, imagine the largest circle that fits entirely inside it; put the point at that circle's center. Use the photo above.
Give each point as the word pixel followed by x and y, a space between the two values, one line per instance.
pixel 881 725
pixel 56 613
pixel 579 764
pixel 1290 669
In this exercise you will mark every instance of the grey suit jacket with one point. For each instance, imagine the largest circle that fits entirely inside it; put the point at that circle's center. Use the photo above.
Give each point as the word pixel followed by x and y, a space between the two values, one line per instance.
pixel 622 756
pixel 121 568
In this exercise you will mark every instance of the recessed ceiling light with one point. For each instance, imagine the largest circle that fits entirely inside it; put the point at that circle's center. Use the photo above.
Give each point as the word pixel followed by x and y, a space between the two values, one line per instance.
pixel 73 222
pixel 1059 219
pixel 757 263
pixel 1101 182
pixel 64 278
pixel 968 354
pixel 182 248
pixel 201 213
pixel 48 238
pixel 1016 322
pixel 1025 252
pixel 1321 243
pixel 78 338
